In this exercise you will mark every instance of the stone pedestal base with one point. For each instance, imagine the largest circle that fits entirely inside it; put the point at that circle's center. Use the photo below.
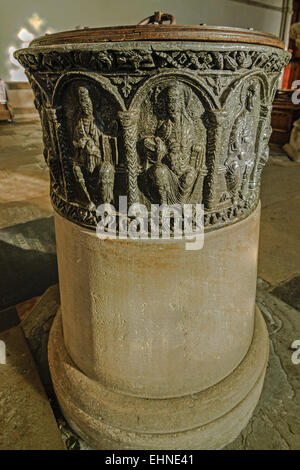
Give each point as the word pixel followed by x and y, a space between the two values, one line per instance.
pixel 157 347
pixel 209 419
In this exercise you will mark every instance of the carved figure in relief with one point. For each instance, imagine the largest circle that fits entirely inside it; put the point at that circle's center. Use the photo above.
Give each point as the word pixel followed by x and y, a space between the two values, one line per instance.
pixel 176 156
pixel 264 156
pixel 50 156
pixel 240 161
pixel 107 178
pixel 89 167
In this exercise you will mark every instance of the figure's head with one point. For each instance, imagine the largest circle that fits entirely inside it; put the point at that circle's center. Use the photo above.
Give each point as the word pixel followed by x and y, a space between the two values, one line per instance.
pixel 85 101
pixel 175 94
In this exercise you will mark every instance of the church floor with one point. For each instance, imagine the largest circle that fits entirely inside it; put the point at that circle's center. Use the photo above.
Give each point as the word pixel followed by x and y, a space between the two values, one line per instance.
pixel 28 268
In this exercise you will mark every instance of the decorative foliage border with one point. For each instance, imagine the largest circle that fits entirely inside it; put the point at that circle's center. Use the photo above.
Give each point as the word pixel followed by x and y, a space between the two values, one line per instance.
pixel 110 60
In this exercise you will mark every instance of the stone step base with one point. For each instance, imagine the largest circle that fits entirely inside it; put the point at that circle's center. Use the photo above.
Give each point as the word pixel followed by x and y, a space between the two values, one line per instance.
pixel 209 419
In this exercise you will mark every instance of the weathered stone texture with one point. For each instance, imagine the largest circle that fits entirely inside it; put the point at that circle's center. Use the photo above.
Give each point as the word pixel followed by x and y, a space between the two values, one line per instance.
pixel 26 417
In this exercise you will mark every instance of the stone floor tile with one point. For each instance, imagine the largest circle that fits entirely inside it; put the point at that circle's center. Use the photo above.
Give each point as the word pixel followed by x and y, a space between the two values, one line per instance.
pixel 26 417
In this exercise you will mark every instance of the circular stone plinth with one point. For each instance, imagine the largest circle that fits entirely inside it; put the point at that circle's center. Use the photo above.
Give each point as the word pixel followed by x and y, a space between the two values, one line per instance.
pixel 210 419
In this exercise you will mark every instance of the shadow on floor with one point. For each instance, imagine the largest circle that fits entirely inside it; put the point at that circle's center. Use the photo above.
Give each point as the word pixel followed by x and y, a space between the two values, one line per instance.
pixel 289 292
pixel 28 263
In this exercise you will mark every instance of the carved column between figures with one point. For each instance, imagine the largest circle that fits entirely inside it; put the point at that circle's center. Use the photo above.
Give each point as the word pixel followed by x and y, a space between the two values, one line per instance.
pixel 128 121
pixel 56 142
pixel 262 147
pixel 216 119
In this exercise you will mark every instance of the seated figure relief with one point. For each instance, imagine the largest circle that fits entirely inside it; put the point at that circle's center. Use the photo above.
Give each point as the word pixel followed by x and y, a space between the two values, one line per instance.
pixel 240 160
pixel 93 173
pixel 175 155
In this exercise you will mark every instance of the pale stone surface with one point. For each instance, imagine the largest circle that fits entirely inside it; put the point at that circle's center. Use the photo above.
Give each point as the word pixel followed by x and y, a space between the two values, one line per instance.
pixel 27 420
pixel 275 423
pixel 206 420
pixel 160 342
pixel 152 319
